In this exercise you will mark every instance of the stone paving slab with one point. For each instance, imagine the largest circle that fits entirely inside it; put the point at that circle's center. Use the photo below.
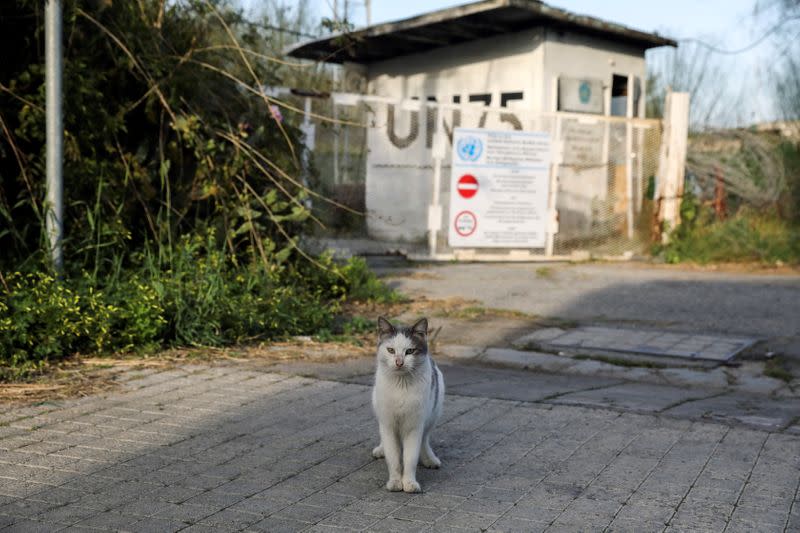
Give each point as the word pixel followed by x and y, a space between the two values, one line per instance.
pixel 639 397
pixel 746 378
pixel 767 410
pixel 768 413
pixel 234 448
pixel 653 342
pixel 520 386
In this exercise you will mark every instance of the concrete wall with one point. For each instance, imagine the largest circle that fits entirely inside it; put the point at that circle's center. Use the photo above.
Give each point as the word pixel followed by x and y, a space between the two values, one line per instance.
pixel 574 55
pixel 588 195
pixel 495 65
pixel 398 187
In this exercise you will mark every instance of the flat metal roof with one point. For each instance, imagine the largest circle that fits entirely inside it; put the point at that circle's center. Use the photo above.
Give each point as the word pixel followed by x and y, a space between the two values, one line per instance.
pixel 461 24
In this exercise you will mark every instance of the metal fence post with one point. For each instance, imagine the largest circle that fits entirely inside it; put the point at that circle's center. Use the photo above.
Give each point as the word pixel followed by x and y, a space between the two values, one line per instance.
pixel 629 191
pixel 55 132
pixel 435 208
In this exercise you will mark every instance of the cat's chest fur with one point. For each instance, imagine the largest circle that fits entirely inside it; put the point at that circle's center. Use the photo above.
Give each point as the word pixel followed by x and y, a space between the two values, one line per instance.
pixel 402 402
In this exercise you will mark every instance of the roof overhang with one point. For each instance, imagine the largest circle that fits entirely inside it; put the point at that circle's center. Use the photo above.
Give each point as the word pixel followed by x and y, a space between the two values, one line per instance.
pixel 461 24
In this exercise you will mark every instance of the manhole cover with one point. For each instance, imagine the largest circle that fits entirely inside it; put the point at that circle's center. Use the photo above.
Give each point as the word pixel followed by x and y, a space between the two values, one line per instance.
pixel 659 343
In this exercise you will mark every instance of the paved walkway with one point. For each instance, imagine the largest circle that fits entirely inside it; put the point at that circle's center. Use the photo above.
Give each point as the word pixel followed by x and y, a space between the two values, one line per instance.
pixel 239 448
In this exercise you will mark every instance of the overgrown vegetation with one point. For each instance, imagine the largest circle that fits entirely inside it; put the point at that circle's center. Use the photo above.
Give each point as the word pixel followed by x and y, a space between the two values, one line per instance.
pixel 778 368
pixel 184 195
pixel 749 236
pixel 742 203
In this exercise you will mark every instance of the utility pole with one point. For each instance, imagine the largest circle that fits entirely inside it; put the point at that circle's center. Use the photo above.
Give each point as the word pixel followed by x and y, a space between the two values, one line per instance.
pixel 368 6
pixel 54 221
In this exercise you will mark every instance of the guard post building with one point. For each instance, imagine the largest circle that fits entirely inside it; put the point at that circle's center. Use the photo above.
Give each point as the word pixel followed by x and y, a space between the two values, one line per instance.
pixel 519 54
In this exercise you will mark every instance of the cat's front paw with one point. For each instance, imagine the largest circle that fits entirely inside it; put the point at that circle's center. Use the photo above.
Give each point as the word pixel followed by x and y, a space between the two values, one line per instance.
pixel 394 485
pixel 410 485
pixel 432 462
pixel 377 452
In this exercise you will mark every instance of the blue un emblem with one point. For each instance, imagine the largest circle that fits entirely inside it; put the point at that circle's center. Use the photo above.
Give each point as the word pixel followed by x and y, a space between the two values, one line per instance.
pixel 469 148
pixel 585 92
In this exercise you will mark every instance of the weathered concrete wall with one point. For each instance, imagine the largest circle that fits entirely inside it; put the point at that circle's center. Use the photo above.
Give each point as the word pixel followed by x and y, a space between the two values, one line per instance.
pixel 399 165
pixel 587 194
pixel 494 65
pixel 580 56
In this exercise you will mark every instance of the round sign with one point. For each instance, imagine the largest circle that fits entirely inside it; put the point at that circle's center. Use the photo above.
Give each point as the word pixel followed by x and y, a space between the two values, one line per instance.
pixel 466 223
pixel 469 148
pixel 467 186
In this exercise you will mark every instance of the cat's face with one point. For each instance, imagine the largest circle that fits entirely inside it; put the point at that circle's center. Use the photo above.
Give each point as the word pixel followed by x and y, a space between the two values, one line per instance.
pixel 402 348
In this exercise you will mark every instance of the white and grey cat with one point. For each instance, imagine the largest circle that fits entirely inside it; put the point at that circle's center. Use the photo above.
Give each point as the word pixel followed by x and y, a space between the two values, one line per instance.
pixel 407 399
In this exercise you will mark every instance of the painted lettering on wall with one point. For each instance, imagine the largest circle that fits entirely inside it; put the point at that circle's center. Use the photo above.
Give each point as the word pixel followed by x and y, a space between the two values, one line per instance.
pixel 454 121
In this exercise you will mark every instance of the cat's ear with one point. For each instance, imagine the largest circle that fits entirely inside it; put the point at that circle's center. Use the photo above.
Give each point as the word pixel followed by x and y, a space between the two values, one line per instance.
pixel 385 328
pixel 420 328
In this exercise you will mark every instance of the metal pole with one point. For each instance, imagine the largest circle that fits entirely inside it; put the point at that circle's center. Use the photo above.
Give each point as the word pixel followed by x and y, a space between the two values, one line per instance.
pixel 552 206
pixel 55 131
pixel 438 154
pixel 368 6
pixel 309 140
pixel 629 191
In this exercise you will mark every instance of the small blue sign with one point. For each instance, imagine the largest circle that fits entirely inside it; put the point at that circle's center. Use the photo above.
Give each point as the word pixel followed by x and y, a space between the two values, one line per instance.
pixel 469 148
pixel 585 92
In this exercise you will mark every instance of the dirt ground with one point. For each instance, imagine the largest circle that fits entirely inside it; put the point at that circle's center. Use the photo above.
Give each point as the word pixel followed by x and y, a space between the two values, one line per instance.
pixel 450 320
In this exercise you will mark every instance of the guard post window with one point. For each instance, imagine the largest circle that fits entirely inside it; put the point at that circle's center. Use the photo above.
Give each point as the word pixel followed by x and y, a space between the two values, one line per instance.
pixel 619 96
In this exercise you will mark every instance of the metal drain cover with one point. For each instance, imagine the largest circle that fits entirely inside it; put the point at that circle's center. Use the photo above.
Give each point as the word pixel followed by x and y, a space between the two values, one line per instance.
pixel 719 348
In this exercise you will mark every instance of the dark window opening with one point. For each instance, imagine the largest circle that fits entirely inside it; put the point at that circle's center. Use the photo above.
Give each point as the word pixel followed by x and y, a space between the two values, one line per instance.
pixel 457 99
pixel 619 96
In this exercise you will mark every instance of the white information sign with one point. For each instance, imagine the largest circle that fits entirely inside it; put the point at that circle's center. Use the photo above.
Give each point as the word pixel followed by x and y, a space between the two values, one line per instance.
pixel 583 143
pixel 499 188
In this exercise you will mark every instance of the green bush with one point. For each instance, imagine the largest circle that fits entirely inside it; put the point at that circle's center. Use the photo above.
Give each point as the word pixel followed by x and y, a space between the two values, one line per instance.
pixel 362 284
pixel 204 298
pixel 138 322
pixel 748 235
pixel 44 319
pixel 39 318
pixel 184 200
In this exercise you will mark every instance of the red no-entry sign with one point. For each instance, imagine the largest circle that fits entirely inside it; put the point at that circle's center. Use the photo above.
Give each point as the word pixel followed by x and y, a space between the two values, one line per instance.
pixel 467 186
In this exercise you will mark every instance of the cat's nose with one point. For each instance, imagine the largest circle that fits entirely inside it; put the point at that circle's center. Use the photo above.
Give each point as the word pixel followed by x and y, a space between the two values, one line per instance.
pixel 398 363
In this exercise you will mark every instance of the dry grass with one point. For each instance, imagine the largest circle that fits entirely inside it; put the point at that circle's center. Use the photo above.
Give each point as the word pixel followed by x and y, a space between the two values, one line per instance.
pixel 84 376
pixel 70 379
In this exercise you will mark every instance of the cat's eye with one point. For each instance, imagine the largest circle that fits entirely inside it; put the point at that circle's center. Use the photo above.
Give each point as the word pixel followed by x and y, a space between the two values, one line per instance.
pixel 390 350
pixel 411 351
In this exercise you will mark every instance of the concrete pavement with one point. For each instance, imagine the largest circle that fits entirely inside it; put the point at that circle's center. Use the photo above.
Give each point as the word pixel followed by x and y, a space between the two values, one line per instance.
pixel 760 305
pixel 287 448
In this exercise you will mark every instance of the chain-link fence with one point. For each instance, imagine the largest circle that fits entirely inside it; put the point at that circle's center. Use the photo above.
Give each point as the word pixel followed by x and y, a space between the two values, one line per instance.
pixel 377 156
